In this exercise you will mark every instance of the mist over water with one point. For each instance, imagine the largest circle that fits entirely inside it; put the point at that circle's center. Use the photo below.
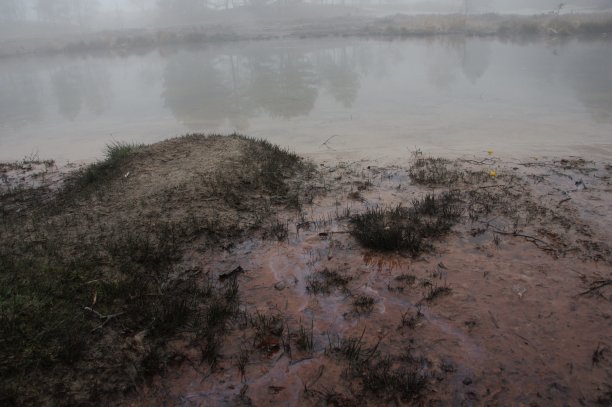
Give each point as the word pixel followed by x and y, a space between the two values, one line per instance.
pixel 451 94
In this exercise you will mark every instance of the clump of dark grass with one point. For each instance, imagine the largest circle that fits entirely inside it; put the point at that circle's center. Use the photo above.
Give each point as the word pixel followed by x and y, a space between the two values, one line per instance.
pixel 242 360
pixel 380 375
pixel 410 320
pixel 278 230
pixel 433 171
pixel 407 228
pixel 305 338
pixel 353 349
pixel 267 324
pixel 406 278
pixel 381 379
pixel 436 291
pixel 324 281
pixel 401 282
pixel 363 304
pixel 355 195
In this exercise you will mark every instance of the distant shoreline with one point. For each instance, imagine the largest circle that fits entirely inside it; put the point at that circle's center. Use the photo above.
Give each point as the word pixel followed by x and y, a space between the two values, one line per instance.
pixel 511 27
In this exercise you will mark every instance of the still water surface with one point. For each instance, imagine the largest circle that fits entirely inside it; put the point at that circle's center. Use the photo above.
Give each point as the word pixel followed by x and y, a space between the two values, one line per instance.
pixel 377 98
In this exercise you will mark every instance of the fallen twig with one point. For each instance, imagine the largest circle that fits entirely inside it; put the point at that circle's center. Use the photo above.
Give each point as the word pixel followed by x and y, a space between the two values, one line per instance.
pixel 563 201
pixel 493 320
pixel 547 246
pixel 328 140
pixel 106 318
pixel 596 285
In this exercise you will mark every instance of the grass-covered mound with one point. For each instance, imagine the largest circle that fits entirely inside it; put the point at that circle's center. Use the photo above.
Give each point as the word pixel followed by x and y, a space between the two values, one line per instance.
pixel 92 287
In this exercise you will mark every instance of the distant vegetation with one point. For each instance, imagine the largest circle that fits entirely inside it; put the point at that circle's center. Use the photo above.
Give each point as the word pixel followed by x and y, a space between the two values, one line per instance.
pixel 233 28
pixel 548 25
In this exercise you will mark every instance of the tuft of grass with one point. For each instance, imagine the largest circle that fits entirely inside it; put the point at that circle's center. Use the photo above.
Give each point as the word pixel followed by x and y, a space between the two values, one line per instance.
pixel 115 157
pixel 363 304
pixel 383 380
pixel 433 171
pixel 278 230
pixel 385 377
pixel 406 278
pixel 305 338
pixel 353 349
pixel 410 321
pixel 436 291
pixel 265 324
pixel 323 282
pixel 242 360
pixel 407 228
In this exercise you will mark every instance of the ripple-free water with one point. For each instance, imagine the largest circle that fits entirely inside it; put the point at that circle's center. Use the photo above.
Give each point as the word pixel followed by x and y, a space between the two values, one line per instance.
pixel 377 97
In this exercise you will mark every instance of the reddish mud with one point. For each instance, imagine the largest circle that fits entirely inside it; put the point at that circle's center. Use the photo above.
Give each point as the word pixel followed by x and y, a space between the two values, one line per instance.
pixel 518 326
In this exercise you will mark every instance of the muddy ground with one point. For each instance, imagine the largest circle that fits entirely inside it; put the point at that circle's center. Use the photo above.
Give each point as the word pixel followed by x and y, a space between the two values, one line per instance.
pixel 510 306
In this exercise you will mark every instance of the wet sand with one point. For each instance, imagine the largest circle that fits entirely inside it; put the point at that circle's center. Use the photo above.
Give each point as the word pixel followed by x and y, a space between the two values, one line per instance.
pixel 522 324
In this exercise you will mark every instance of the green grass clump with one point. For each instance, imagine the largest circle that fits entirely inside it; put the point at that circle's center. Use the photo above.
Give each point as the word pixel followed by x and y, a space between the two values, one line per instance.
pixel 407 228
pixel 116 155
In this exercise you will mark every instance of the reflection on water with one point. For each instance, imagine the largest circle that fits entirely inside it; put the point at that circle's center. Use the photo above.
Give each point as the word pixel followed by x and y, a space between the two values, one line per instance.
pixel 453 93
pixel 82 85
pixel 204 90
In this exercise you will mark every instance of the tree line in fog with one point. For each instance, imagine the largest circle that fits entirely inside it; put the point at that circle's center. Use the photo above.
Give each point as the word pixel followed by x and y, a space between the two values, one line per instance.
pixel 84 11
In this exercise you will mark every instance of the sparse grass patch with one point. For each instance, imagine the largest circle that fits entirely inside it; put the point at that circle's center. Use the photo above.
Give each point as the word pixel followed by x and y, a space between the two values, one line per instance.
pixel 382 376
pixel 267 324
pixel 323 282
pixel 353 349
pixel 382 379
pixel 433 171
pixel 329 397
pixel 436 291
pixel 305 338
pixel 408 279
pixel 363 304
pixel 278 230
